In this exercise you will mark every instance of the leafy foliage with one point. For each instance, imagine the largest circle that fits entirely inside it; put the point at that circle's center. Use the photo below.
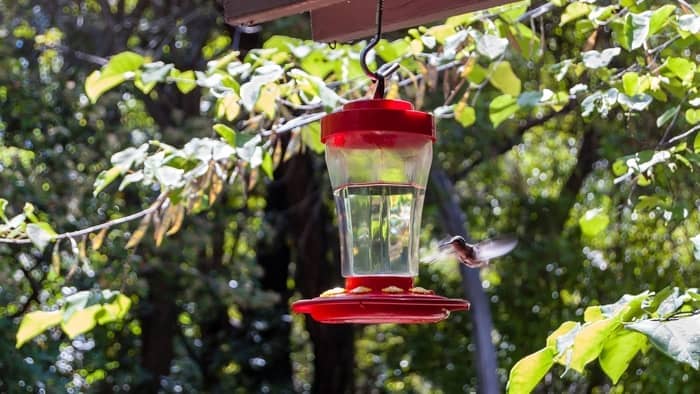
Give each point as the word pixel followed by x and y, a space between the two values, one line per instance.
pixel 611 334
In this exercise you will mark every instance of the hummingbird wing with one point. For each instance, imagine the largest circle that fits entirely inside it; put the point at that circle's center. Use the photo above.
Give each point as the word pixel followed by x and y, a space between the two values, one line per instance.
pixel 444 250
pixel 495 247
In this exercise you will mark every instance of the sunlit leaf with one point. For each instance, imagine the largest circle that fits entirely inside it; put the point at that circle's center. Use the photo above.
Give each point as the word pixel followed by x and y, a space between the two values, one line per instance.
pixel 593 222
pixel 502 108
pixel 636 29
pixel 677 338
pixel 527 372
pixel 689 23
pixel 504 79
pixel 225 132
pixel 618 351
pixel 267 165
pixel 34 323
pixel 311 136
pixel 491 46
pixel 40 233
pixel 573 11
pixel 464 114
pixel 660 17
pixel 589 342
pixel 596 59
pixel 667 115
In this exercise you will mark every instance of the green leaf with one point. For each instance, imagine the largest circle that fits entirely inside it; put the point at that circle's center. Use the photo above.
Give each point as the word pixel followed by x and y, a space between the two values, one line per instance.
pixel 677 338
pixel 184 80
pixel 618 351
pixel 502 108
pixel 630 83
pixel 619 167
pixel 267 165
pixel 105 178
pixel 225 132
pixel 115 310
pixel 3 206
pixel 504 79
pixel 119 68
pixel 250 91
pixel 592 314
pixel 593 222
pixel 34 323
pixel 660 17
pixel 696 143
pixel 667 115
pixel 574 11
pixel 527 372
pixel 40 234
pixel 596 59
pixel 491 46
pixel 692 116
pixel 464 114
pixel 682 68
pixel 96 84
pixel 636 29
pixel 589 342
pixel 529 99
pixel 81 321
pixel 311 136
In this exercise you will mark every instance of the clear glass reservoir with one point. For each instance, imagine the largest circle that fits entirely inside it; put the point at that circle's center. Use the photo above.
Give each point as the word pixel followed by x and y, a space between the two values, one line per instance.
pixel 379 178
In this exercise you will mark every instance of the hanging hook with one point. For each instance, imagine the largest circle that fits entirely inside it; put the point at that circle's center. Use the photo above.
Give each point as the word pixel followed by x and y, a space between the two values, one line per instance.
pixel 385 70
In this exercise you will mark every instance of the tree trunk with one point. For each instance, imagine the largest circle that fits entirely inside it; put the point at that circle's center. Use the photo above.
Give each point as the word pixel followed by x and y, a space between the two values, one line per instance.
pixel 318 269
pixel 158 319
pixel 454 222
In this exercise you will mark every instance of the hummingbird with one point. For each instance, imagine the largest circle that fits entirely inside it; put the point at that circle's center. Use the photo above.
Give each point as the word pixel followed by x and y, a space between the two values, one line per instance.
pixel 477 255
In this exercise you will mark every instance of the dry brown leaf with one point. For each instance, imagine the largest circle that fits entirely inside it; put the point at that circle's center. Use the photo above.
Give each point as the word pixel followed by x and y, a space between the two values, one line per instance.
pixel 217 185
pixel 99 238
pixel 176 221
pixel 137 236
pixel 56 258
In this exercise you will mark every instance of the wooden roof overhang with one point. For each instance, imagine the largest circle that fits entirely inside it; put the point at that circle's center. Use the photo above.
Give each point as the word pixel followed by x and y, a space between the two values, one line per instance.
pixel 345 20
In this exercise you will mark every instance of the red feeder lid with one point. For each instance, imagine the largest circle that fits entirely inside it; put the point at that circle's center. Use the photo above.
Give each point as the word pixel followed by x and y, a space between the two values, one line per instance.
pixel 376 119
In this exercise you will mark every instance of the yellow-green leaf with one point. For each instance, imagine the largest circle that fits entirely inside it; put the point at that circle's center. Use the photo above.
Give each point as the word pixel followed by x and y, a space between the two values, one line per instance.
pixel 115 310
pixel 618 351
pixel 588 343
pixel 564 328
pixel 574 11
pixel 464 114
pixel 184 80
pixel 527 372
pixel 34 323
pixel 593 222
pixel 81 321
pixel 504 79
pixel 501 108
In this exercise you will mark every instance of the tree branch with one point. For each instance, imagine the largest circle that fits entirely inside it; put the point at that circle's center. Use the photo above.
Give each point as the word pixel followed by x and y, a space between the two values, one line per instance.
pixel 519 132
pixel 74 234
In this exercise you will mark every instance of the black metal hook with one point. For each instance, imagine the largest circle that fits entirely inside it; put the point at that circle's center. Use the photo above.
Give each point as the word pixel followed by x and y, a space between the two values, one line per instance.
pixel 385 70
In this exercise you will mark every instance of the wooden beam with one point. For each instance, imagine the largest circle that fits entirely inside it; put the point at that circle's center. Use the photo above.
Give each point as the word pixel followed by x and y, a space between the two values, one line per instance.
pixel 353 19
pixel 249 12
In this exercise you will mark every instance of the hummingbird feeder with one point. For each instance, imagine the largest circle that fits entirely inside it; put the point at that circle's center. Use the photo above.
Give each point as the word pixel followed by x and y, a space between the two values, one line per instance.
pixel 378 153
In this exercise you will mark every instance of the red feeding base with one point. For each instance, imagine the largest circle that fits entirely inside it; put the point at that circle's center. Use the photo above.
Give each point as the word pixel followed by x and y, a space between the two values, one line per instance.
pixel 380 299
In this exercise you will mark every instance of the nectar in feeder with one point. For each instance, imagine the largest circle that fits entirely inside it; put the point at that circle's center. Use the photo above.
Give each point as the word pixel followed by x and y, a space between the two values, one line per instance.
pixel 378 154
